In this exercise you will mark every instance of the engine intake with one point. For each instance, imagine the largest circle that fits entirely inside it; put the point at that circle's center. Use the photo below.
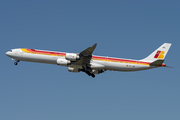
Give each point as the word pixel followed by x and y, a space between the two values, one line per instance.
pixel 70 69
pixel 72 56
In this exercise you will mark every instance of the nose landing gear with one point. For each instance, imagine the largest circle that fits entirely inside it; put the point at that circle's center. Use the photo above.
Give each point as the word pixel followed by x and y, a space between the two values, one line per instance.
pixel 16 63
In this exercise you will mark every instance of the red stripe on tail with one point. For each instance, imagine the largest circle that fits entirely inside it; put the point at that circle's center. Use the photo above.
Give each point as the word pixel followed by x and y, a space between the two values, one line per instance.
pixel 157 54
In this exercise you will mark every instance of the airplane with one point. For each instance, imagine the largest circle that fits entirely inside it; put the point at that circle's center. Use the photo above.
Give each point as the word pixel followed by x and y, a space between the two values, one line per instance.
pixel 88 63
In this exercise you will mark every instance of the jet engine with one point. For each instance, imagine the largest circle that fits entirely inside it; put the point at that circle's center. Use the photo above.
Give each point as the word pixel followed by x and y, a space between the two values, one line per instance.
pixel 97 71
pixel 70 69
pixel 63 62
pixel 72 56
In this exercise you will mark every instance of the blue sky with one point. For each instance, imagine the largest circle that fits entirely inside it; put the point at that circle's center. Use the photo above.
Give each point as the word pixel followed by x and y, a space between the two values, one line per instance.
pixel 125 29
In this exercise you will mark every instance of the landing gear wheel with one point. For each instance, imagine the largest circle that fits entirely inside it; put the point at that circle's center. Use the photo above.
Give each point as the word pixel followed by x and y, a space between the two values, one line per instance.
pixel 15 63
pixel 93 75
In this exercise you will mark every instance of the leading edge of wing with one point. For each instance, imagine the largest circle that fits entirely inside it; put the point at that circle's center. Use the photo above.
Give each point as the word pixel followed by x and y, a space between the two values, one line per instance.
pixel 88 51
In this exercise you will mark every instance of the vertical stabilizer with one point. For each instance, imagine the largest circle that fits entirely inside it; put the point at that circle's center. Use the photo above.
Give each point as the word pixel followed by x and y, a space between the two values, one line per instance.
pixel 158 54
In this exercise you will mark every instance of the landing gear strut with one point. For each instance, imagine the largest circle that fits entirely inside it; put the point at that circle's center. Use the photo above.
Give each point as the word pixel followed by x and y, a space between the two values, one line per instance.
pixel 16 63
pixel 90 74
pixel 88 71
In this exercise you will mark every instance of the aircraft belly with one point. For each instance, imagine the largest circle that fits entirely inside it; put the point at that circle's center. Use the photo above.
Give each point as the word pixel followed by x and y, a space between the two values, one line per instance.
pixel 95 65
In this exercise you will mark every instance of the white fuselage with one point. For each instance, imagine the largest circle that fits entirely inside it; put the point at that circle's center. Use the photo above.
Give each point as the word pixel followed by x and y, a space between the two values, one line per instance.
pixel 97 62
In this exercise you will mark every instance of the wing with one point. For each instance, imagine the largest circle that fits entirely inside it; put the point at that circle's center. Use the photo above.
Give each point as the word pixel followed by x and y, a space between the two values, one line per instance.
pixel 88 51
pixel 86 56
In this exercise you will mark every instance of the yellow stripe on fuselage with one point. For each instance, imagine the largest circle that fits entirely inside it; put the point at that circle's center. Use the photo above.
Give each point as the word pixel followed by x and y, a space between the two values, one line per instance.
pixel 105 60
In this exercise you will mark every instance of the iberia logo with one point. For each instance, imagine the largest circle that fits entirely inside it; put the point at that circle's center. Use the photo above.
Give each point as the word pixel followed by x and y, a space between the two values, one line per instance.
pixel 159 54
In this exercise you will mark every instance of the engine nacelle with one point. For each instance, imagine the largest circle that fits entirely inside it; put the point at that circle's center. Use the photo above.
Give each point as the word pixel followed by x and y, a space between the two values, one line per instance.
pixel 70 69
pixel 72 56
pixel 97 71
pixel 63 62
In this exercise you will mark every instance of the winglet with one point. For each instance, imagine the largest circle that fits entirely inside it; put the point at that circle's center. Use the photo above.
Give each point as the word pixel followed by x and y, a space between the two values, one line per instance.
pixel 94 45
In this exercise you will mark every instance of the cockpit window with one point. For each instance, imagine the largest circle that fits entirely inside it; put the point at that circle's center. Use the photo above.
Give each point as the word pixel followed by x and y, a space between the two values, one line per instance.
pixel 10 50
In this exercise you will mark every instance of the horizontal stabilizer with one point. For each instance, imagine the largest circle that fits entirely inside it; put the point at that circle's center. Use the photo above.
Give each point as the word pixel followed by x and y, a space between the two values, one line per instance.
pixel 169 67
pixel 157 62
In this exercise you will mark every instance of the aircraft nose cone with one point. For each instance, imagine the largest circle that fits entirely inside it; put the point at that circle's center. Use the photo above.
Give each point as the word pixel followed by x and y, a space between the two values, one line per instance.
pixel 7 53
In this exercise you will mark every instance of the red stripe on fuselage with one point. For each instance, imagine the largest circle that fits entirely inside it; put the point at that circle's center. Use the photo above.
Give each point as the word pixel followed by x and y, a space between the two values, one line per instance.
pixel 117 60
pixel 94 57
pixel 45 52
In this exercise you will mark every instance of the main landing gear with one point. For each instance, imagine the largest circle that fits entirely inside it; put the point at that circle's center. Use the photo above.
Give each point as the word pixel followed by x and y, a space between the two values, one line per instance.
pixel 93 75
pixel 16 63
pixel 90 74
pixel 88 71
